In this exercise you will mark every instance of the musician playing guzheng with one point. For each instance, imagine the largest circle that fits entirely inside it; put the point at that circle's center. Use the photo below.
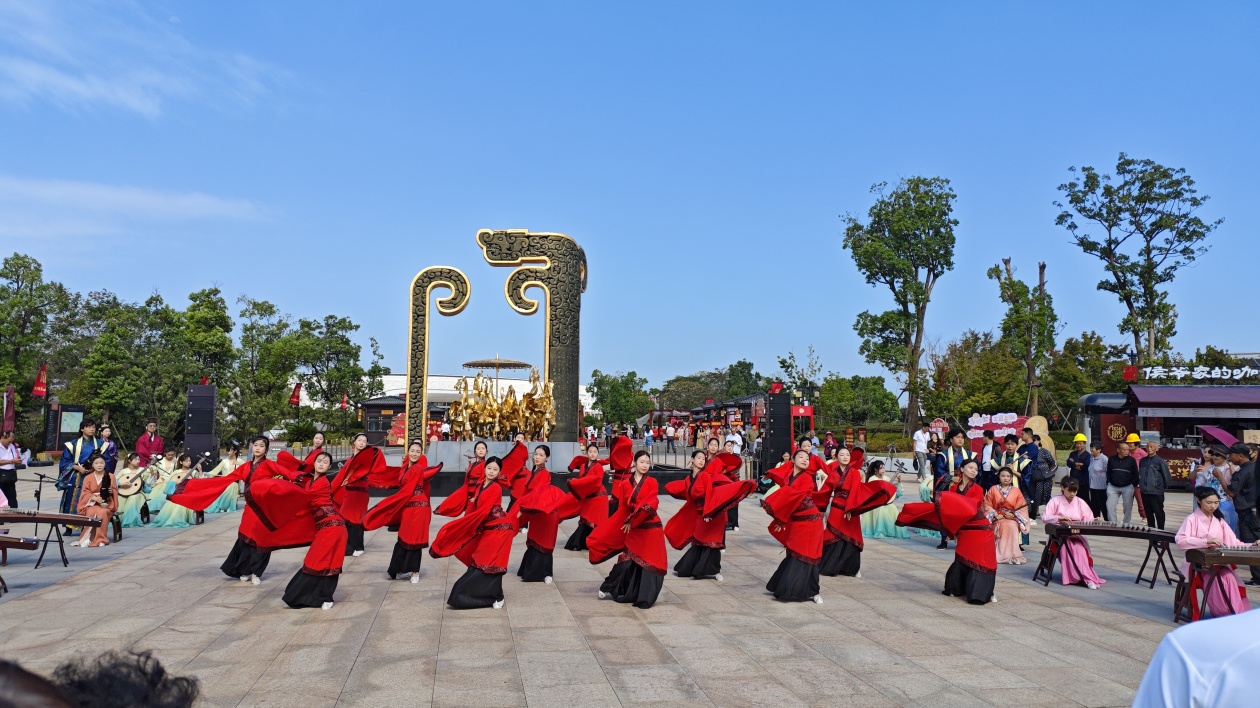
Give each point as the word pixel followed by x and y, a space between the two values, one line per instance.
pixel 98 499
pixel 1078 565
pixel 1205 527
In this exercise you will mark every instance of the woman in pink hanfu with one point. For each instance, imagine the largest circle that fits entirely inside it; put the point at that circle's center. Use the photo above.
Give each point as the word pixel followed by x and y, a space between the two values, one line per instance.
pixel 1206 527
pixel 1078 566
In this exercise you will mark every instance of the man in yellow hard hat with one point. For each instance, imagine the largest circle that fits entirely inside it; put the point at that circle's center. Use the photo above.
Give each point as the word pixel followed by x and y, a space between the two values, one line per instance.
pixel 1135 447
pixel 1078 461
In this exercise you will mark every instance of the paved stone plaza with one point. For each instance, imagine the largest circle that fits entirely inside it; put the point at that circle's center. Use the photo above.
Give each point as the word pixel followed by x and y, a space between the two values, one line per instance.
pixel 887 638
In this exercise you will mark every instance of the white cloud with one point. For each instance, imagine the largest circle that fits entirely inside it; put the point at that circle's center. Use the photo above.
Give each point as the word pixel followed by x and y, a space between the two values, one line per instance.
pixel 44 208
pixel 85 55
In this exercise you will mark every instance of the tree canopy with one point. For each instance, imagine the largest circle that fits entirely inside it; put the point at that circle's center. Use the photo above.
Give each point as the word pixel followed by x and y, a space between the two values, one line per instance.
pixel 621 397
pixel 906 245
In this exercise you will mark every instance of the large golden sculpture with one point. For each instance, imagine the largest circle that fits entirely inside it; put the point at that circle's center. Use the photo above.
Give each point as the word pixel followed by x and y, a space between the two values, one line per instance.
pixel 480 414
pixel 549 410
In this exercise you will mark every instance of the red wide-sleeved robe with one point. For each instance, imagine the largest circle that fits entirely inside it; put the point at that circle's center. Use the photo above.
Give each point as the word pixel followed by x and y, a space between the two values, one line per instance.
pixel 310 497
pixel 796 521
pixel 354 479
pixel 482 537
pixel 645 543
pixel 702 520
pixel 408 508
pixel 589 500
pixel 457 502
pixel 973 573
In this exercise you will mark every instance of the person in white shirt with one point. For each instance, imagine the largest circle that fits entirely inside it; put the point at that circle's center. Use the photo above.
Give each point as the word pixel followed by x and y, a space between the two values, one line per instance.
pixel 737 440
pixel 921 438
pixel 9 459
pixel 446 430
pixel 1208 663
pixel 670 433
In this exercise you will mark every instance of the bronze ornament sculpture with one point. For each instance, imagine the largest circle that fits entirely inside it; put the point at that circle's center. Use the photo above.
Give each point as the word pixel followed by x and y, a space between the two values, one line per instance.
pixel 422 287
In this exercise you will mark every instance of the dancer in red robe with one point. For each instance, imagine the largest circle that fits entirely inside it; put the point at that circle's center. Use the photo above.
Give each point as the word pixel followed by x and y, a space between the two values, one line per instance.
pixel 457 502
pixel 365 469
pixel 317 446
pixel 409 510
pixel 621 471
pixel 973 573
pixel 589 500
pixel 852 498
pixel 256 537
pixel 707 494
pixel 636 536
pixel 309 496
pixel 537 504
pixel 482 540
pixel 797 523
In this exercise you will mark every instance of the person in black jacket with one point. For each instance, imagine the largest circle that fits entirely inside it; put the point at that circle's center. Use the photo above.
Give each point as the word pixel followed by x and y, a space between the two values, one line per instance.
pixel 1242 488
pixel 1122 475
pixel 1154 478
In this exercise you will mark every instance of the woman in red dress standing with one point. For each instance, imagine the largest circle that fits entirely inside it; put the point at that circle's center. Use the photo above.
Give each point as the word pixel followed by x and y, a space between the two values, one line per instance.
pixel 636 533
pixel 973 574
pixel 537 502
pixel 853 497
pixel 589 496
pixel 457 502
pixel 255 540
pixel 351 485
pixel 409 510
pixel 482 540
pixel 707 493
pixel 797 523
pixel 310 495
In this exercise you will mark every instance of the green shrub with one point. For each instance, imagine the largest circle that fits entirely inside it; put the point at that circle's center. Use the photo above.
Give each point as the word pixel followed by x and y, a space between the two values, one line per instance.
pixel 877 443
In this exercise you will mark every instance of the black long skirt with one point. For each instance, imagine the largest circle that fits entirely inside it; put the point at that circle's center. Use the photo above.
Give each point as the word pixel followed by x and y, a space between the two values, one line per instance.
pixel 632 583
pixel 245 560
pixel 577 542
pixel 840 558
pixel 732 518
pixel 535 566
pixel 310 590
pixel 476 589
pixel 403 561
pixel 354 537
pixel 962 580
pixel 794 580
pixel 699 562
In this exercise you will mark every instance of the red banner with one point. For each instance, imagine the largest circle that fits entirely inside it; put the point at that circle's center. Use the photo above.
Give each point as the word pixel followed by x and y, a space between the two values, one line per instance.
pixel 205 381
pixel 41 382
pixel 344 393
pixel 295 399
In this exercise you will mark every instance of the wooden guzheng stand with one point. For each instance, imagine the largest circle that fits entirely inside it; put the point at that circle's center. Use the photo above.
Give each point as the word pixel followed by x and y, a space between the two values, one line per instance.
pixel 1201 562
pixel 54 521
pixel 1158 542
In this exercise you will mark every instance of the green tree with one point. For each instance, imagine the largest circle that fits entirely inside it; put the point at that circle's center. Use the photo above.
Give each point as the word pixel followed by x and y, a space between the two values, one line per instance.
pixel 620 397
pixel 329 364
pixel 266 365
pixel 111 376
pixel 972 374
pixel 208 332
pixel 743 380
pixel 1084 364
pixel 798 376
pixel 28 306
pixel 165 365
pixel 906 245
pixel 857 400
pixel 1149 231
pixel 1030 325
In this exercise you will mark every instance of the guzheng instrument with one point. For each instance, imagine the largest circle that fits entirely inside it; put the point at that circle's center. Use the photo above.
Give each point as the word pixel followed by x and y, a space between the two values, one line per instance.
pixel 1224 555
pixel 22 544
pixel 1201 562
pixel 1158 542
pixel 54 521
pixel 31 516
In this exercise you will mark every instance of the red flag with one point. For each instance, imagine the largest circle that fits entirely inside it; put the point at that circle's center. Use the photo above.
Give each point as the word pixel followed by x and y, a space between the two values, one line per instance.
pixel 205 380
pixel 296 398
pixel 41 382
pixel 343 398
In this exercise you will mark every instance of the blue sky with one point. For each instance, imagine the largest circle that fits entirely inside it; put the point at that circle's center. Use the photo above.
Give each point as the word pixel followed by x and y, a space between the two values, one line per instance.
pixel 320 154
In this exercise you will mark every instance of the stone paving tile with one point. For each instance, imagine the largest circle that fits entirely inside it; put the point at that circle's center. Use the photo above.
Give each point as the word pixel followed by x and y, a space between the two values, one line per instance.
pixel 888 638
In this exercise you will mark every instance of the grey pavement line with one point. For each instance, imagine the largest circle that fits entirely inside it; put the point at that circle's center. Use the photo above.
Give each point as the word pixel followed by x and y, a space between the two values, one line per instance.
pixel 602 669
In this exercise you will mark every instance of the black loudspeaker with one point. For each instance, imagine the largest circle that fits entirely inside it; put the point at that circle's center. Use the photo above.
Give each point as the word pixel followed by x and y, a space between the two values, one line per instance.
pixel 778 430
pixel 201 435
pixel 199 445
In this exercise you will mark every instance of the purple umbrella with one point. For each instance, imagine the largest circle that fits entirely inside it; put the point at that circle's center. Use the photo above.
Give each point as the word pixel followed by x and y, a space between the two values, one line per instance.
pixel 1219 435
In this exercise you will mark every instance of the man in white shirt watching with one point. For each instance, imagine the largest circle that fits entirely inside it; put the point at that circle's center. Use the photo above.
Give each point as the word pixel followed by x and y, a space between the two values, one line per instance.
pixel 670 433
pixel 9 459
pixel 1207 663
pixel 921 438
